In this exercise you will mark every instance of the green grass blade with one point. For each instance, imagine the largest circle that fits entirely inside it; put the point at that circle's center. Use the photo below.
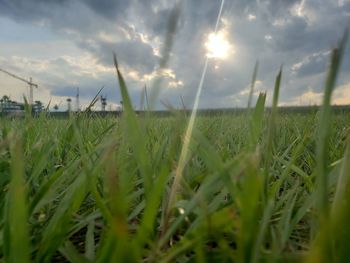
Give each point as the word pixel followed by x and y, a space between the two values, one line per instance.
pixel 256 122
pixel 90 242
pixel 323 241
pixel 268 153
pixel 133 129
pixel 16 240
pixel 70 252
pixel 252 85
pixel 343 180
pixel 53 235
pixel 324 129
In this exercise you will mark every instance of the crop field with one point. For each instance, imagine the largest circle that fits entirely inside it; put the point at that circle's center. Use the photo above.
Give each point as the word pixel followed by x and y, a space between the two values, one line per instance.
pixel 258 186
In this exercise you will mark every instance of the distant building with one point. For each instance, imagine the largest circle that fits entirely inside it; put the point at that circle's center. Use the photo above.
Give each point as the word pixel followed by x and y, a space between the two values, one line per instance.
pixel 9 107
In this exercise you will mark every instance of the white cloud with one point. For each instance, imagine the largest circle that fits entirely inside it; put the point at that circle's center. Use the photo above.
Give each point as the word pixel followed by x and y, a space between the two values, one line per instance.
pixel 251 17
pixel 176 84
pixel 299 9
pixel 268 38
pixel 307 98
pixel 342 95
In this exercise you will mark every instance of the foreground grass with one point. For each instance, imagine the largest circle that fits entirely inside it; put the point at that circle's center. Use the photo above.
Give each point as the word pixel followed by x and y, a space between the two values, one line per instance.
pixel 79 192
pixel 257 186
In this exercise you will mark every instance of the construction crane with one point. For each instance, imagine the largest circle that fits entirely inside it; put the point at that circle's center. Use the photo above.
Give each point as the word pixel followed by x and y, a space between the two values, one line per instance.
pixel 30 83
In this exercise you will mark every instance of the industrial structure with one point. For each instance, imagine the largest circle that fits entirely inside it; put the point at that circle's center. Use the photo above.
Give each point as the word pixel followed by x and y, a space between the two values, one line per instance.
pixel 103 103
pixel 9 106
pixel 31 84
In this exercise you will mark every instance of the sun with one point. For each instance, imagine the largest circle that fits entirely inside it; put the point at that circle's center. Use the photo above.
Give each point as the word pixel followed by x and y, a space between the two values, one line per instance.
pixel 218 46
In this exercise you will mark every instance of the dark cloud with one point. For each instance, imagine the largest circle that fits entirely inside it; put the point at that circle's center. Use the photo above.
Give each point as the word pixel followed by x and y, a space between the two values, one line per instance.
pixel 134 54
pixel 22 10
pixel 277 8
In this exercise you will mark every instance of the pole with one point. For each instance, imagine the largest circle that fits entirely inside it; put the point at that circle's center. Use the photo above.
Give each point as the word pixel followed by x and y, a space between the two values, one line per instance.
pixel 77 101
pixel 30 91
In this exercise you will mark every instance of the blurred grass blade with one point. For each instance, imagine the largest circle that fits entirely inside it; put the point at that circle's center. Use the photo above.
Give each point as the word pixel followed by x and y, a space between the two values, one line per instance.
pixel 256 122
pixel 268 152
pixel 323 244
pixel 90 242
pixel 93 101
pixel 137 139
pixel 324 128
pixel 343 180
pixel 252 85
pixel 53 235
pixel 165 54
pixel 71 253
pixel 16 241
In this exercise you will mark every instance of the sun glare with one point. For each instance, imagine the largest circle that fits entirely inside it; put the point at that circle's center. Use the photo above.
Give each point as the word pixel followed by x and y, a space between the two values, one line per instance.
pixel 218 46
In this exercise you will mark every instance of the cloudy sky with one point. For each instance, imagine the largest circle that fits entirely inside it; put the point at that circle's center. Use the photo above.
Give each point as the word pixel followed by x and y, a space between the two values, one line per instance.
pixel 65 44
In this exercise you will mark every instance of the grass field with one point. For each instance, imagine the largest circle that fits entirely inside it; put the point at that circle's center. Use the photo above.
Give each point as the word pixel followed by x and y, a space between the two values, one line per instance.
pixel 254 187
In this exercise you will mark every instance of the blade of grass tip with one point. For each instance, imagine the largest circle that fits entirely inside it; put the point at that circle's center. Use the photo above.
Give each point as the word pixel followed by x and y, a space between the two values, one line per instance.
pixel 252 85
pixel 188 134
pixel 256 122
pixel 137 139
pixel 183 103
pixel 270 133
pixel 27 108
pixel 16 226
pixel 93 101
pixel 47 109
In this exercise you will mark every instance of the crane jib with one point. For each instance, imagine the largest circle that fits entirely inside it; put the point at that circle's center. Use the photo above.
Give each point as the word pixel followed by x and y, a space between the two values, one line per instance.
pixel 30 83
